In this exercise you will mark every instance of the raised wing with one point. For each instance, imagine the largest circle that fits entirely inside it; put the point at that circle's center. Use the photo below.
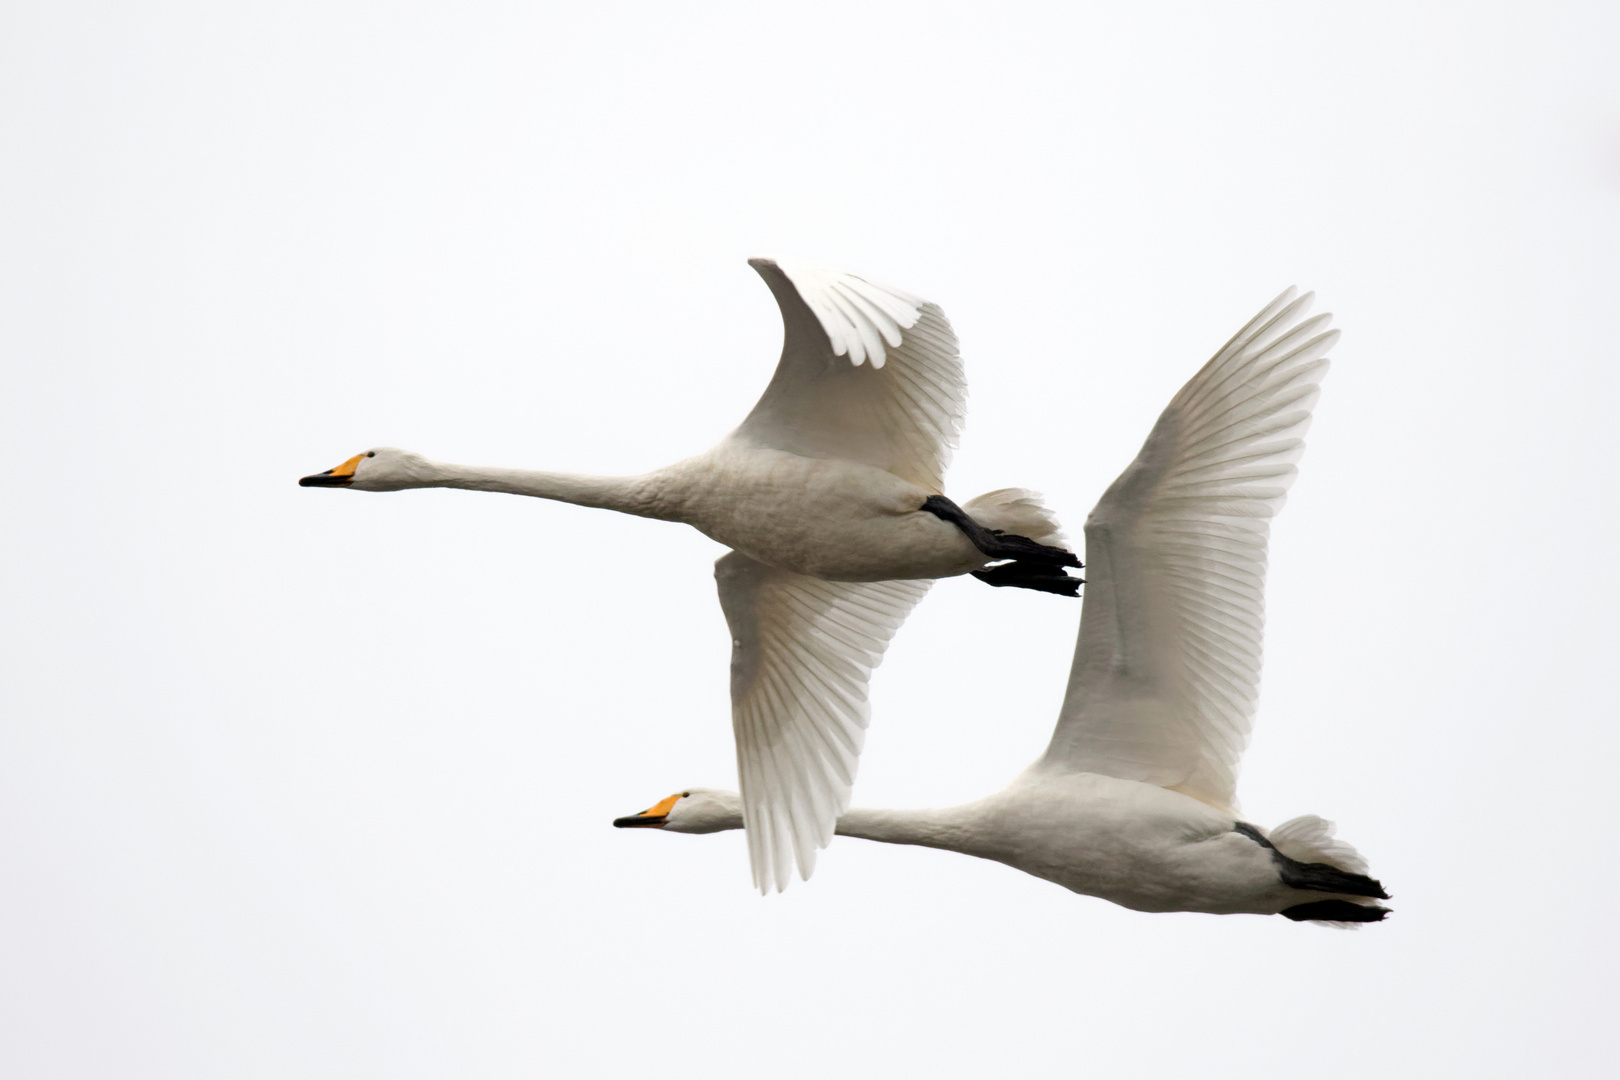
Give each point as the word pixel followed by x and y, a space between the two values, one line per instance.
pixel 868 373
pixel 802 652
pixel 1167 668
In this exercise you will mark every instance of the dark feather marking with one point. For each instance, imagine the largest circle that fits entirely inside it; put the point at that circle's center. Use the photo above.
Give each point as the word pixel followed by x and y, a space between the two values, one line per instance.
pixel 994 543
pixel 1317 877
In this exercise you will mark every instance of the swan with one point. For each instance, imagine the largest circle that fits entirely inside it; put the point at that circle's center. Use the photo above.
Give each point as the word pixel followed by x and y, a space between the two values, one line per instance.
pixel 1134 800
pixel 830 496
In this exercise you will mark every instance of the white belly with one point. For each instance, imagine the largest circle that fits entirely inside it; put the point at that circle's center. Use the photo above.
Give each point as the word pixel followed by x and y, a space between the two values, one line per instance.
pixel 836 520
pixel 1134 844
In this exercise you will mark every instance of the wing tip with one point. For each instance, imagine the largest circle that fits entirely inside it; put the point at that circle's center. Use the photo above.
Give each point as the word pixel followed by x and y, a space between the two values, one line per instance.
pixel 855 313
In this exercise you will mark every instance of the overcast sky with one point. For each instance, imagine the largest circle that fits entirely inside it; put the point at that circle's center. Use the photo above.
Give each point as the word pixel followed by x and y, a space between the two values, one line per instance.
pixel 304 783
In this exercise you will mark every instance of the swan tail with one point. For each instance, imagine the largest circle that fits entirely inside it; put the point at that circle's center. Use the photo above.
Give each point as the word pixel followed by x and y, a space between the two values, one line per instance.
pixel 1020 512
pixel 1308 857
pixel 1012 528
pixel 1310 839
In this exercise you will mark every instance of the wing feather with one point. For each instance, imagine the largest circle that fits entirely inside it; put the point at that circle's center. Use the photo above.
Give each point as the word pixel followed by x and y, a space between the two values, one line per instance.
pixel 803 651
pixel 1167 668
pixel 868 373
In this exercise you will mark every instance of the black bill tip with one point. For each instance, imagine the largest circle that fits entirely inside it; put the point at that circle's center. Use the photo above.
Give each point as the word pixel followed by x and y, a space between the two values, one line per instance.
pixel 325 479
pixel 640 821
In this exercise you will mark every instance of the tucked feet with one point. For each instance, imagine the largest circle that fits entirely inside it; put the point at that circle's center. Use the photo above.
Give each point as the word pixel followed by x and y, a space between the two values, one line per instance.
pixel 1026 575
pixel 1336 911
pixel 1316 876
pixel 994 543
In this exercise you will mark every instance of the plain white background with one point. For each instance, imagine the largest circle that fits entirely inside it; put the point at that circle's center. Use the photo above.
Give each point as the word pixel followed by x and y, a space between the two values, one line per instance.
pixel 301 783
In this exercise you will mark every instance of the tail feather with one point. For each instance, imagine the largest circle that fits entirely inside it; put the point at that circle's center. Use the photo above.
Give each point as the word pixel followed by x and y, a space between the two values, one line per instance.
pixel 1020 512
pixel 1314 875
pixel 1310 839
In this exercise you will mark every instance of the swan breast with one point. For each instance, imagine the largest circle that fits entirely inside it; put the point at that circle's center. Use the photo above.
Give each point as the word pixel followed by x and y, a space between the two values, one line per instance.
pixel 829 518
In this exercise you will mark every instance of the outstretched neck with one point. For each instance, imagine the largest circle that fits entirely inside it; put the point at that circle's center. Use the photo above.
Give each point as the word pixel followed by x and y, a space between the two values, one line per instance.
pixel 637 495
pixel 948 829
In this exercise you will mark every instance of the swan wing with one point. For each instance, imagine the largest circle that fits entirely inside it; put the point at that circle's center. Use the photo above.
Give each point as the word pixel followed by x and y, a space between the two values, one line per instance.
pixel 1167 668
pixel 868 373
pixel 803 650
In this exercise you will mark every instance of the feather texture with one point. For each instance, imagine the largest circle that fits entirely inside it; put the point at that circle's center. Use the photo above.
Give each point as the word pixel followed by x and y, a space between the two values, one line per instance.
pixel 1310 839
pixel 1019 511
pixel 868 373
pixel 1167 668
pixel 803 651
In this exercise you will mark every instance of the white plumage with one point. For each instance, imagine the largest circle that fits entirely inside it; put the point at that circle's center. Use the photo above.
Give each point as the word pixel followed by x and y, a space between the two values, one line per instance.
pixel 876 378
pixel 858 317
pixel 1167 669
pixel 802 652
pixel 820 494
pixel 1134 800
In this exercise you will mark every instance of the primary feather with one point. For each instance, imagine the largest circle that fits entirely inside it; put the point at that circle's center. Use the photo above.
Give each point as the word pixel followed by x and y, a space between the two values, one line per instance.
pixel 803 651
pixel 1167 667
pixel 868 373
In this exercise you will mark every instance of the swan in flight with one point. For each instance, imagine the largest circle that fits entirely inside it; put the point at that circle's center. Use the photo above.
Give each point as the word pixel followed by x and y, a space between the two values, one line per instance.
pixel 1134 800
pixel 830 495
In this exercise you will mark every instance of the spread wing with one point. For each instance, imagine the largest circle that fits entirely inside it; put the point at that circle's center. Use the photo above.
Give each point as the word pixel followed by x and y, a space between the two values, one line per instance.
pixel 868 373
pixel 802 652
pixel 1167 668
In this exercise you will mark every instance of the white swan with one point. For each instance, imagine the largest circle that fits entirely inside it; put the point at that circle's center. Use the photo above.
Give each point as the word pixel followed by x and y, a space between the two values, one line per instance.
pixel 1134 800
pixel 829 494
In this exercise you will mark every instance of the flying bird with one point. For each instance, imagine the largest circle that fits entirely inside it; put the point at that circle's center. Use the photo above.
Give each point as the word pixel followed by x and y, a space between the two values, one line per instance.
pixel 1134 800
pixel 830 495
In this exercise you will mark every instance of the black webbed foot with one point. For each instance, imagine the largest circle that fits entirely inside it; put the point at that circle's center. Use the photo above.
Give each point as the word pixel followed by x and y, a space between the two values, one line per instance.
pixel 1013 546
pixel 994 543
pixel 1024 575
pixel 1336 911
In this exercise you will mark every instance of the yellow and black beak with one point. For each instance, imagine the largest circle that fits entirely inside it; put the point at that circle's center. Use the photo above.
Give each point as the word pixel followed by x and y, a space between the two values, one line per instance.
pixel 342 476
pixel 651 818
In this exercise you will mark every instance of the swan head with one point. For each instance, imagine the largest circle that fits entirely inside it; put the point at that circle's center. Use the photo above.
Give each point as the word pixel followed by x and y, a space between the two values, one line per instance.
pixel 695 810
pixel 383 469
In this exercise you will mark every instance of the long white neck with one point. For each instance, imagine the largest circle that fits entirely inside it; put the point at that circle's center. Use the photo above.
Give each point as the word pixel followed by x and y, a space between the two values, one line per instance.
pixel 949 829
pixel 969 828
pixel 627 494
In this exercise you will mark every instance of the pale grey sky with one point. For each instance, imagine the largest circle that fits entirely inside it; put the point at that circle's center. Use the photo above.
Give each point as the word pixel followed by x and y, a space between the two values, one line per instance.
pixel 317 784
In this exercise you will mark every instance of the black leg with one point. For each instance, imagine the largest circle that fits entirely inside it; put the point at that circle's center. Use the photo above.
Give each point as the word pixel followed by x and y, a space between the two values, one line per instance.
pixel 1316 876
pixel 993 542
pixel 1025 575
pixel 1336 911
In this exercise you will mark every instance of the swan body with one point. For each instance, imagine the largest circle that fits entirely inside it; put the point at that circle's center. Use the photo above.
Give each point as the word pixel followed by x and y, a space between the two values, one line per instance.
pixel 1133 844
pixel 867 523
pixel 829 495
pixel 1134 800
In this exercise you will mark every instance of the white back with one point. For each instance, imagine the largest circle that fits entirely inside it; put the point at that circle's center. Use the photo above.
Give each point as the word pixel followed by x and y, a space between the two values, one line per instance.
pixel 1167 667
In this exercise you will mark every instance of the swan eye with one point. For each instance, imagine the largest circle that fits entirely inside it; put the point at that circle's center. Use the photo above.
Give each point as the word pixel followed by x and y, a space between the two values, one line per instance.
pixel 686 794
pixel 371 453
